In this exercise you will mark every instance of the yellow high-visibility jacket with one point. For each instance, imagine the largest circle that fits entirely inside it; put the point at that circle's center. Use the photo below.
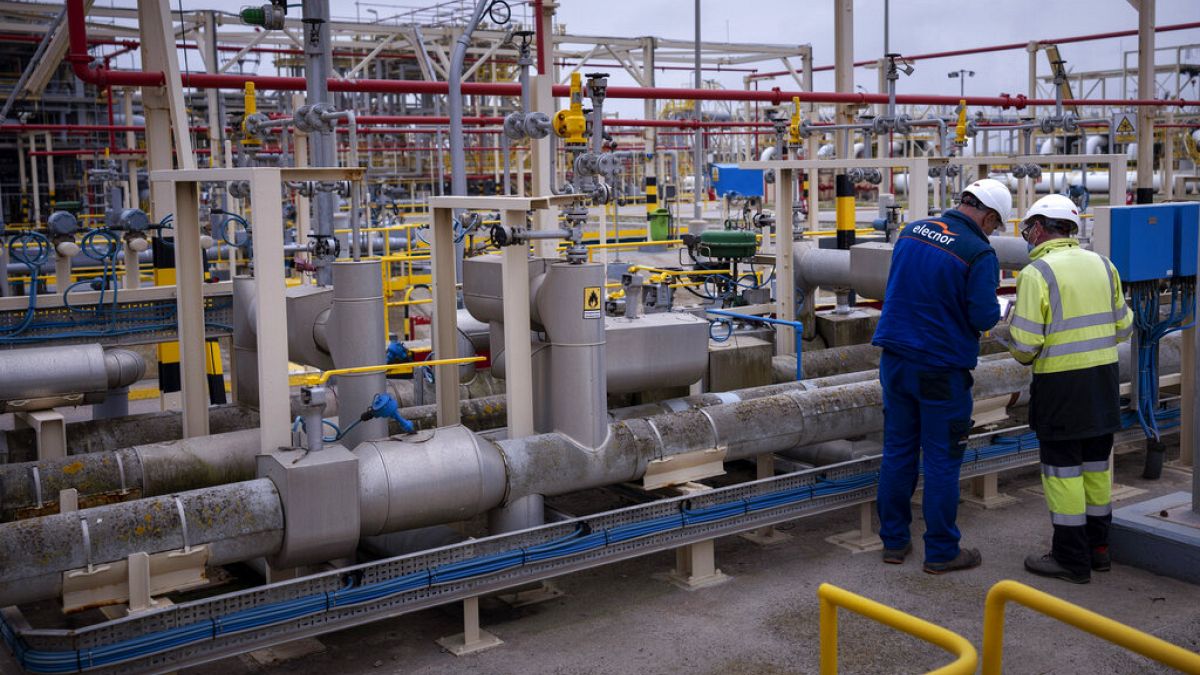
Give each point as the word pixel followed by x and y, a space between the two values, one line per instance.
pixel 1070 312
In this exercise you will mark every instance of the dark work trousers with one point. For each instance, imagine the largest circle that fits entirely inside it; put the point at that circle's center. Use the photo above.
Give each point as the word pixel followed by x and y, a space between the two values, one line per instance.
pixel 925 411
pixel 1078 489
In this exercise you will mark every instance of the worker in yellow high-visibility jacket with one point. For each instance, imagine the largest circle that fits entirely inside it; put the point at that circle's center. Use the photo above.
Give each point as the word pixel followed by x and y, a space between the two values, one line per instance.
pixel 1069 316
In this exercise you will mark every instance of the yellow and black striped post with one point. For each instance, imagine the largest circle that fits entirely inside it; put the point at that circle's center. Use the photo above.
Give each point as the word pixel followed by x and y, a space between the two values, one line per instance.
pixel 651 196
pixel 169 376
pixel 844 195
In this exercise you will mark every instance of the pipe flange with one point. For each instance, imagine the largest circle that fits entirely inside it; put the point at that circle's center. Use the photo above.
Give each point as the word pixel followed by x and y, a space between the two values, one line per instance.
pixel 239 189
pixel 1047 125
pixel 253 124
pixel 1018 171
pixel 538 125
pixel 311 119
pixel 514 126
pixel 881 125
pixel 586 164
pixel 1070 123
pixel 903 124
pixel 607 164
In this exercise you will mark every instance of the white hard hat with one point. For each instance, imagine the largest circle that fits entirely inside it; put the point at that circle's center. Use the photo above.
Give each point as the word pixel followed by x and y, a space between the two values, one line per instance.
pixel 994 195
pixel 1055 207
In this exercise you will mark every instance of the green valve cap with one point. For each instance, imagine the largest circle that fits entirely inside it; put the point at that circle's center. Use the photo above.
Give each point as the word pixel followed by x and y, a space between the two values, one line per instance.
pixel 254 16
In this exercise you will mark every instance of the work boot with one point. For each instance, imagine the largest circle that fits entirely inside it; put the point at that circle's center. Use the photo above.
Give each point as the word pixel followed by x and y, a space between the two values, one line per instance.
pixel 1101 560
pixel 1047 566
pixel 896 556
pixel 965 560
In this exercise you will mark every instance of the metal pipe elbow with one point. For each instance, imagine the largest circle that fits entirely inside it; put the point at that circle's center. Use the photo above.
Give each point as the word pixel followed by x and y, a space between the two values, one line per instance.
pixel 124 367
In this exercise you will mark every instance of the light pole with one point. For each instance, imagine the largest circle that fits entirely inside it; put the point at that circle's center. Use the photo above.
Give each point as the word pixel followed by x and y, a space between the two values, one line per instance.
pixel 962 76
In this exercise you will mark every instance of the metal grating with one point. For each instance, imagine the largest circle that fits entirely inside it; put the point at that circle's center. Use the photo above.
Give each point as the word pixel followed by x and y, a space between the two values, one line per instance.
pixel 128 323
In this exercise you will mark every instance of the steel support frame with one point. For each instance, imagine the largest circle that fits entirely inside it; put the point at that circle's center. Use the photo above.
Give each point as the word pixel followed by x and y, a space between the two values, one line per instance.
pixel 271 319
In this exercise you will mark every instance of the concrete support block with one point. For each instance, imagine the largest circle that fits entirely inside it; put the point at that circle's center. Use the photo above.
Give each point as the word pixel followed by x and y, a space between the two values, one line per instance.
pixel 1161 535
pixel 473 638
pixel 740 363
pixel 985 493
pixel 864 538
pixel 843 330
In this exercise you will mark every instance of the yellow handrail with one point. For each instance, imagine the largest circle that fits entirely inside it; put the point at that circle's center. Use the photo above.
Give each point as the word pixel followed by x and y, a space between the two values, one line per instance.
pixel 1086 620
pixel 831 597
pixel 389 369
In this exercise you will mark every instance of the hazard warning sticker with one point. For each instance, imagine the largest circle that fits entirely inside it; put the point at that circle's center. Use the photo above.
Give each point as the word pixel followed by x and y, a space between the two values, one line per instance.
pixel 1124 126
pixel 593 299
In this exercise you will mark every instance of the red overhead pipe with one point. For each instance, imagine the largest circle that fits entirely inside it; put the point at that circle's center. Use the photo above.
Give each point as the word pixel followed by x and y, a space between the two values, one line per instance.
pixel 104 77
pixel 998 48
pixel 101 151
pixel 78 128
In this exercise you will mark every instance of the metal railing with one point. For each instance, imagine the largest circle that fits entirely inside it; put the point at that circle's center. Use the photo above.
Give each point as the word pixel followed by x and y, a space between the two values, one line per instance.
pixel 831 597
pixel 1086 620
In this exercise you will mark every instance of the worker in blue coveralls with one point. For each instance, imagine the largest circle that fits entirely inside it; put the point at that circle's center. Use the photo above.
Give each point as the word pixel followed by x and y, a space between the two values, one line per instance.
pixel 941 294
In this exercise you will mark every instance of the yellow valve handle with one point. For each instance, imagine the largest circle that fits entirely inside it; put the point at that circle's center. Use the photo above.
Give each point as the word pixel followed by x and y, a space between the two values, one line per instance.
pixel 389 369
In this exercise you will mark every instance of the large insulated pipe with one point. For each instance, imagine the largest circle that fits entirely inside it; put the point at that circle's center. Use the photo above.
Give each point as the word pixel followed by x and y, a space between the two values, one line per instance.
pixel 80 373
pixel 100 435
pixel 451 475
pixel 830 268
pixel 357 338
pixel 32 488
pixel 234 522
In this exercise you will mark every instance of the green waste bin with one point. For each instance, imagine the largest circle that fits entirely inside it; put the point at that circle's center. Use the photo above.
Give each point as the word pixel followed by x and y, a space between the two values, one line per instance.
pixel 660 224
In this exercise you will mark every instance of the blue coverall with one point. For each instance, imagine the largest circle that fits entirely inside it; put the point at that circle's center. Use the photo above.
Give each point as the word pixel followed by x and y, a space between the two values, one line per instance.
pixel 941 294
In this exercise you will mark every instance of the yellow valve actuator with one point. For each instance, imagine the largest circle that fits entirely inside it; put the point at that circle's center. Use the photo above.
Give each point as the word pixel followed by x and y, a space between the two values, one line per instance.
pixel 570 124
pixel 960 129
pixel 250 98
pixel 794 125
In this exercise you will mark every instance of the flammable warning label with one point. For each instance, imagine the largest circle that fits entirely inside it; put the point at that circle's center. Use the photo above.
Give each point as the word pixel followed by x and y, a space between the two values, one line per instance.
pixel 593 299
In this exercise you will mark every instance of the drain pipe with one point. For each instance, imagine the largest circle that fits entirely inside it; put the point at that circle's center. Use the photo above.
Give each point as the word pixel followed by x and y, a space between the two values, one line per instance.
pixel 458 165
pixel 322 149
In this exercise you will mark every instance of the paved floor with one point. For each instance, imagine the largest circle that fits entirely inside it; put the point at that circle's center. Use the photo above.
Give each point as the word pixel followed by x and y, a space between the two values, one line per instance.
pixel 622 619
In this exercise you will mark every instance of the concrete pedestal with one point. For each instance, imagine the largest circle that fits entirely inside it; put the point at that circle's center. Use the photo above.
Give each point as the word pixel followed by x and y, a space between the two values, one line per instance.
pixel 1161 535
pixel 842 330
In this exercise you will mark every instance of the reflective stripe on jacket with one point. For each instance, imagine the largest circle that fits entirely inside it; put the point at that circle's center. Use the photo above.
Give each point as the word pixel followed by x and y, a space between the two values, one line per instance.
pixel 1070 312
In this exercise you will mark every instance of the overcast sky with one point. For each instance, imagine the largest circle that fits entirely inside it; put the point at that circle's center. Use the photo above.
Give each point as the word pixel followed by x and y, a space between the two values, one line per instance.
pixel 917 26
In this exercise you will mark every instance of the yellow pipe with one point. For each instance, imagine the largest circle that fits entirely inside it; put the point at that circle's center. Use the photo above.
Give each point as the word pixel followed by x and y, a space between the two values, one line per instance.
pixel 390 369
pixel 831 597
pixel 1097 624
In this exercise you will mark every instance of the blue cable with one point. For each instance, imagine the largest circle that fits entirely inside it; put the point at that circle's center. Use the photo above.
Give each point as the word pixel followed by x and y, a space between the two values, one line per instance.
pixel 33 263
